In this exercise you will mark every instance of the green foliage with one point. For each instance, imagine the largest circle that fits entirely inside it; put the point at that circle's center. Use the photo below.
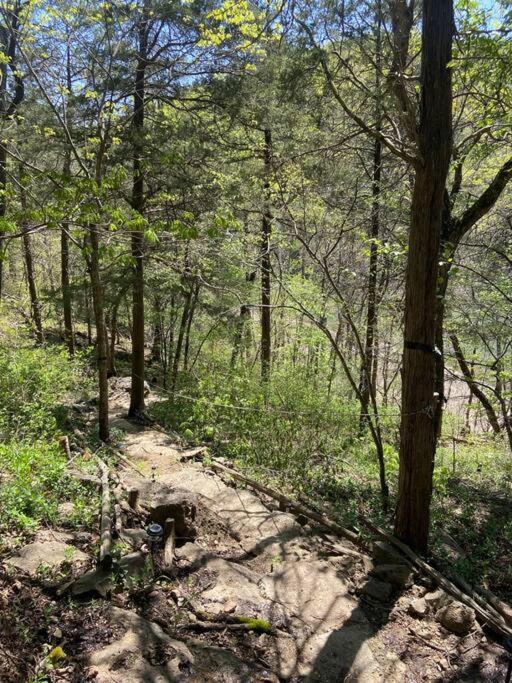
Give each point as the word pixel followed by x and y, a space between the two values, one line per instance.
pixel 34 482
pixel 33 384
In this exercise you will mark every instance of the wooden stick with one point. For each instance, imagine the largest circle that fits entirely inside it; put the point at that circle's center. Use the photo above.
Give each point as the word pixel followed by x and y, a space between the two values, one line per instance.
pixel 193 453
pixel 484 614
pixel 170 536
pixel 501 607
pixel 297 508
pixel 105 560
pixel 133 497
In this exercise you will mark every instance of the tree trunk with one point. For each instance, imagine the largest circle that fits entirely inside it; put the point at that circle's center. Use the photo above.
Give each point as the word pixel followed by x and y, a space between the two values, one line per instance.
pixel 179 341
pixel 365 382
pixel 34 300
pixel 266 229
pixel 64 236
pixel 473 386
pixel 101 333
pixel 193 305
pixel 418 428
pixel 137 404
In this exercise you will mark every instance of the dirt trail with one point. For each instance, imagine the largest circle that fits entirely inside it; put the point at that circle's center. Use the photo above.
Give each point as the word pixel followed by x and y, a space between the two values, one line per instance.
pixel 335 614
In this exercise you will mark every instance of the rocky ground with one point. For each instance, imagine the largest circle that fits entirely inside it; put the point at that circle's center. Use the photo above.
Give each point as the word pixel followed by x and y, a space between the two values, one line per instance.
pixel 253 593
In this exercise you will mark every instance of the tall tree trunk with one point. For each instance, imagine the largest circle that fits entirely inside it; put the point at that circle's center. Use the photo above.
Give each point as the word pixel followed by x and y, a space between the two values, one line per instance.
pixel 418 427
pixel 32 288
pixel 266 229
pixel 101 332
pixel 192 310
pixel 473 386
pixel 240 333
pixel 365 383
pixel 64 237
pixel 8 44
pixel 137 404
pixel 112 370
pixel 179 340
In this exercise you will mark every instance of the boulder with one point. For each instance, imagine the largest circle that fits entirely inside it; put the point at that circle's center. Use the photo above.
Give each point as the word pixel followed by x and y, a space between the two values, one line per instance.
pixel 40 556
pixel 437 599
pixel 418 607
pixel 176 504
pixel 398 575
pixel 385 553
pixel 456 617
pixel 379 590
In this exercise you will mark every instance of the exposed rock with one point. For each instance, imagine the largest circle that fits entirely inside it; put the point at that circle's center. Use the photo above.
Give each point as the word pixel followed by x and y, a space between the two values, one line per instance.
pixel 135 537
pixel 399 575
pixel 95 581
pixel 47 554
pixel 423 630
pixel 418 591
pixel 376 589
pixel 418 607
pixel 133 564
pixel 66 511
pixel 313 594
pixel 143 653
pixel 384 553
pixel 176 504
pixel 437 599
pixel 456 617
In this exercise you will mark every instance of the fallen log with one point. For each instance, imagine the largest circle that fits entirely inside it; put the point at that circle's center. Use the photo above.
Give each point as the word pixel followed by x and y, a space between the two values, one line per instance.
pixel 292 505
pixel 501 607
pixel 484 615
pixel 193 453
pixel 105 560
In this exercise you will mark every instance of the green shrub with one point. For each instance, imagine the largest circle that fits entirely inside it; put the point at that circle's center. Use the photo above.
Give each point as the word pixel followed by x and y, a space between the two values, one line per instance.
pixel 33 384
pixel 33 484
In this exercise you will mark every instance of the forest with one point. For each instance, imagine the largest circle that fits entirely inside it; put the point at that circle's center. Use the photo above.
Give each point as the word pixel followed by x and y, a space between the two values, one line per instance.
pixel 255 341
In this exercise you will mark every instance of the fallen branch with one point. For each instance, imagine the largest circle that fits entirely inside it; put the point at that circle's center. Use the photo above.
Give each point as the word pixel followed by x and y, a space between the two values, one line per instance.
pixel 193 453
pixel 202 626
pixel 170 542
pixel 485 615
pixel 105 561
pixel 292 505
pixel 501 607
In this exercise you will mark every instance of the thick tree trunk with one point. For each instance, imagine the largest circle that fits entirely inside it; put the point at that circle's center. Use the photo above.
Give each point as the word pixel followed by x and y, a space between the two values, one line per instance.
pixel 266 229
pixel 418 428
pixel 101 333
pixel 137 404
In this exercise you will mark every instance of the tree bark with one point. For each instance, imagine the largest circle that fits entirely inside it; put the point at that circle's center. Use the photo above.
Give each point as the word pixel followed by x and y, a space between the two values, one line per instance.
pixel 137 404
pixel 101 332
pixel 191 312
pixel 64 238
pixel 417 429
pixel 367 370
pixel 266 229
pixel 32 288
pixel 473 386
